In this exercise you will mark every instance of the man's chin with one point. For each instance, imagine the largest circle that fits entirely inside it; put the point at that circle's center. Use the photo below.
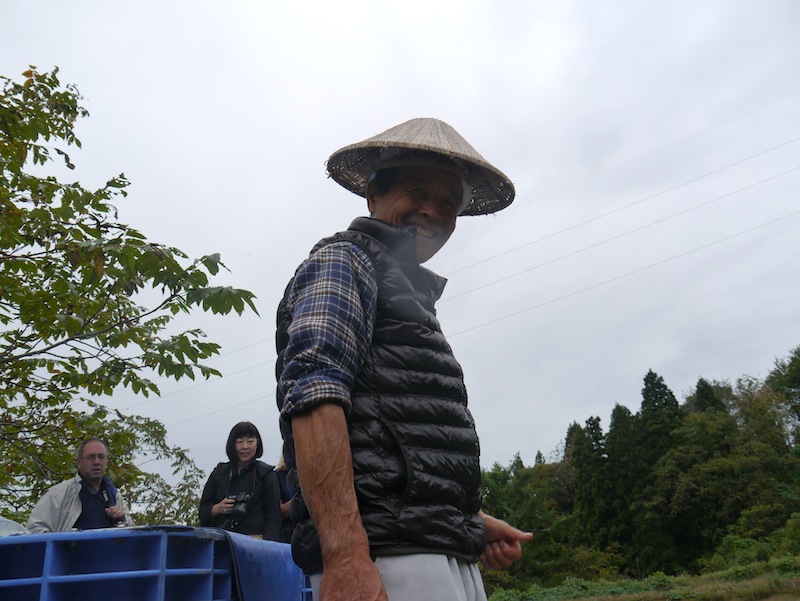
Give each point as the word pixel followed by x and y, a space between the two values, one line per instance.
pixel 426 251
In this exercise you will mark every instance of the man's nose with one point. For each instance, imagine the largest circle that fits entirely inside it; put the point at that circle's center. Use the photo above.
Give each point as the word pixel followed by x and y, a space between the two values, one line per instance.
pixel 430 208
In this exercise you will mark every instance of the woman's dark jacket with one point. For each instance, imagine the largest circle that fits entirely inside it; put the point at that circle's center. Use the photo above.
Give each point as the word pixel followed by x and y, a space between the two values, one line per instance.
pixel 414 445
pixel 263 514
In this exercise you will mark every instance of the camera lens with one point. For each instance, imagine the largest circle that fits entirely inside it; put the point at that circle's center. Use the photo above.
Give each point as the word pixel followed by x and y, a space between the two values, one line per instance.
pixel 240 506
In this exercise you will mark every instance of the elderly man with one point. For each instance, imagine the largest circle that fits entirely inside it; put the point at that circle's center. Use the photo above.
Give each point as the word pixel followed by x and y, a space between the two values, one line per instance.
pixel 373 404
pixel 85 502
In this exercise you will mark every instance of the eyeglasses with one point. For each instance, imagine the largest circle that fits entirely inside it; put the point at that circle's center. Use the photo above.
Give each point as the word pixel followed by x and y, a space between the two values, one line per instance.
pixel 94 456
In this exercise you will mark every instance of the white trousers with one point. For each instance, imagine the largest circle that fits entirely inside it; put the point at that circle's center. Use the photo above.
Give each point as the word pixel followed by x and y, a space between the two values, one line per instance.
pixel 425 577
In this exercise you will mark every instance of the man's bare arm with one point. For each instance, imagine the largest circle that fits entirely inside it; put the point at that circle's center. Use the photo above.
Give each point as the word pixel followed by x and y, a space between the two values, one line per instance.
pixel 325 471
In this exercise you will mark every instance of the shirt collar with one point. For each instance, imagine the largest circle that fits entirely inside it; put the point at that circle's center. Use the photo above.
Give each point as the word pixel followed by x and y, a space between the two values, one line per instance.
pixel 402 243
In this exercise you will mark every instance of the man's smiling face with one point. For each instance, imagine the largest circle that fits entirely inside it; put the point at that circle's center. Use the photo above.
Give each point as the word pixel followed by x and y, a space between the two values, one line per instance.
pixel 425 198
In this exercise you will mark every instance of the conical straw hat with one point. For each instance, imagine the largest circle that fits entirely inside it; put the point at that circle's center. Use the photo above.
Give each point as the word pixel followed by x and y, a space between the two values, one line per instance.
pixel 353 165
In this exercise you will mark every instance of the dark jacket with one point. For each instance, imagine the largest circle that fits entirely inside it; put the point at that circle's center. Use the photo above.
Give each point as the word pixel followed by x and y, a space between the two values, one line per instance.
pixel 414 445
pixel 263 515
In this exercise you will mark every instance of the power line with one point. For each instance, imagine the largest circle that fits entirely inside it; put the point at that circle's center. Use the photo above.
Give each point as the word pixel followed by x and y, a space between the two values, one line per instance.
pixel 651 152
pixel 196 417
pixel 564 230
pixel 622 235
pixel 241 348
pixel 579 181
pixel 545 303
pixel 228 408
pixel 669 145
pixel 208 381
pixel 624 207
pixel 557 259
pixel 624 275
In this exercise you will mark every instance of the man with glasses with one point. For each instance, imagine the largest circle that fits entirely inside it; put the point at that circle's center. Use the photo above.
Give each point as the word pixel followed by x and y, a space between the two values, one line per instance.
pixel 86 502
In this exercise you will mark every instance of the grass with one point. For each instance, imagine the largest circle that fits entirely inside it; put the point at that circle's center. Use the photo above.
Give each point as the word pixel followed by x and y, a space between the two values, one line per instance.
pixel 774 580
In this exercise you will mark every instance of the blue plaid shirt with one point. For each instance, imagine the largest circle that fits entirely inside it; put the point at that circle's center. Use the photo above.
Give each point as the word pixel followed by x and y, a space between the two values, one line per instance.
pixel 332 299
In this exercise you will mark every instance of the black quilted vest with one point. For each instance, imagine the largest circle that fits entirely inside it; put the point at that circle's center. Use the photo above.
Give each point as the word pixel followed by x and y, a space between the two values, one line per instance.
pixel 413 440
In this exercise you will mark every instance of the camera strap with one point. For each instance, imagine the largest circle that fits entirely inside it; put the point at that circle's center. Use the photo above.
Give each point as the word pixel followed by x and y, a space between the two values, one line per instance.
pixel 253 467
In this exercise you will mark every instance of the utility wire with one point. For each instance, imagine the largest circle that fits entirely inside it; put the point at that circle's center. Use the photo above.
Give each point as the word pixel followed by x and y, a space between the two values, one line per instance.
pixel 649 153
pixel 545 303
pixel 664 147
pixel 555 260
pixel 624 275
pixel 579 181
pixel 562 231
pixel 541 239
pixel 624 207
pixel 622 235
pixel 228 408
pixel 203 383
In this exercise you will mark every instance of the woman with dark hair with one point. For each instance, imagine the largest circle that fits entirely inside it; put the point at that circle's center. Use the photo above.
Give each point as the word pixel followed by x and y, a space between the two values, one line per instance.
pixel 243 495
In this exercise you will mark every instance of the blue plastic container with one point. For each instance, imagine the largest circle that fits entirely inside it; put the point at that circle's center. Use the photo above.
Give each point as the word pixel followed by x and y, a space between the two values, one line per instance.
pixel 147 564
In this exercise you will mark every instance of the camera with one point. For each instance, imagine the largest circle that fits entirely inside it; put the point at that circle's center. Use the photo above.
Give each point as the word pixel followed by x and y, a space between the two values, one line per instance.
pixel 239 510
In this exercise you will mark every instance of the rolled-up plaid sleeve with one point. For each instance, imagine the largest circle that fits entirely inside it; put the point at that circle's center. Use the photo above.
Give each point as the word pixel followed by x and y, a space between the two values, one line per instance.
pixel 332 300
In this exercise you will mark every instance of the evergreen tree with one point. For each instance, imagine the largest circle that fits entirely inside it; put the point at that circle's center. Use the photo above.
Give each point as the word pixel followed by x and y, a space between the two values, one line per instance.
pixel 586 448
pixel 652 546
pixel 623 471
pixel 705 397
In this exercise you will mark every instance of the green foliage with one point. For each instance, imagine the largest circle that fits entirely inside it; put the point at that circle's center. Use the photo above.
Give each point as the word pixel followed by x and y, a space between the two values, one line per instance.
pixel 72 323
pixel 766 580
pixel 539 499
pixel 735 551
pixel 785 379
pixel 787 538
pixel 784 565
pixel 713 474
pixel 523 496
pixel 614 480
pixel 577 588
pixel 708 485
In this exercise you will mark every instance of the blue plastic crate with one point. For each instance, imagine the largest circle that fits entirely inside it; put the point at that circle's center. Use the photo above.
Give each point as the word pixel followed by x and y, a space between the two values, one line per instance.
pixel 137 564
pixel 146 564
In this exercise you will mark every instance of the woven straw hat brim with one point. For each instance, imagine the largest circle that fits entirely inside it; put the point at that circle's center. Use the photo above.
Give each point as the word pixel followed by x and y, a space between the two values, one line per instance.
pixel 353 165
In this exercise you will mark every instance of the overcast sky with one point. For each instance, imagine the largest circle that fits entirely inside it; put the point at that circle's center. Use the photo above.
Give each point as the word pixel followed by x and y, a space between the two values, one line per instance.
pixel 654 145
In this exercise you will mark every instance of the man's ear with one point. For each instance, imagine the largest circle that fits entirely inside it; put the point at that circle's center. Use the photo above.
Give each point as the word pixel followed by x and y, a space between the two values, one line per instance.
pixel 371 197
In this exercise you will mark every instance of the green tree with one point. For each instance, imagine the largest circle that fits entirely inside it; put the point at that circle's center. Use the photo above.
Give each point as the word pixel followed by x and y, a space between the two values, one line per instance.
pixel 539 499
pixel 652 546
pixel 766 462
pixel 624 469
pixel 691 478
pixel 725 472
pixel 72 324
pixel 785 379
pixel 585 451
pixel 706 396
